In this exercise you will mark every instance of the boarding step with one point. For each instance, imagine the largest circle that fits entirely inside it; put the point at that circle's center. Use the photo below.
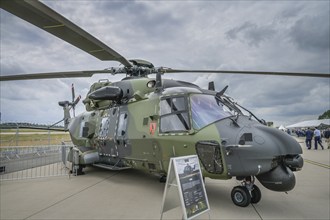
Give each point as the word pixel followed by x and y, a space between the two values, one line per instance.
pixel 110 167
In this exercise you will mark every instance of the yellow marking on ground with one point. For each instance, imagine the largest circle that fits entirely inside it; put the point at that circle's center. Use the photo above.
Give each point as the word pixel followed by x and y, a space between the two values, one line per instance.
pixel 317 164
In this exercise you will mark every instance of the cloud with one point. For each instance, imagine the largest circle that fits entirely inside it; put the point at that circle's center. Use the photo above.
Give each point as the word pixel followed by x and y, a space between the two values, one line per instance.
pixel 264 36
pixel 308 33
pixel 251 33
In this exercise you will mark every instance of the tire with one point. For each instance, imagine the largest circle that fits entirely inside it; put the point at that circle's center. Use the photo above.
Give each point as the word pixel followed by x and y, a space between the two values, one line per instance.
pixel 80 170
pixel 240 196
pixel 256 194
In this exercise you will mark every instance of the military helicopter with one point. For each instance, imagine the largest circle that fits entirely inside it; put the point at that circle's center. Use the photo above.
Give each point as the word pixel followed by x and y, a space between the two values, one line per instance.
pixel 141 122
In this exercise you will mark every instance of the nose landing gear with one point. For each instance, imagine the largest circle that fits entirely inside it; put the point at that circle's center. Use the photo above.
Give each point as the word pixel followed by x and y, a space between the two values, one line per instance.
pixel 241 196
pixel 246 193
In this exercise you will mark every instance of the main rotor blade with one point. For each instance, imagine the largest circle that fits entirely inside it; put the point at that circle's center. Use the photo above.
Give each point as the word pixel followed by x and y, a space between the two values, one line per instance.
pixel 53 75
pixel 323 75
pixel 49 20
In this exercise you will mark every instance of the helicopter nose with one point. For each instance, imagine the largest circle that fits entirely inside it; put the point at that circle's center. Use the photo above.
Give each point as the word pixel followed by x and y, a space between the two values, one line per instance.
pixel 287 159
pixel 277 142
pixel 253 149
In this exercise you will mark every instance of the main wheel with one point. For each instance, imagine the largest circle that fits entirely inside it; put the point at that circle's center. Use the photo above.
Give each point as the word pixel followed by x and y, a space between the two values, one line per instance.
pixel 78 170
pixel 256 194
pixel 241 196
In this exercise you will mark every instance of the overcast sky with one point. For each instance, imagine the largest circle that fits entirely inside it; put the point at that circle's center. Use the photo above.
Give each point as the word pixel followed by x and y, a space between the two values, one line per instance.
pixel 231 35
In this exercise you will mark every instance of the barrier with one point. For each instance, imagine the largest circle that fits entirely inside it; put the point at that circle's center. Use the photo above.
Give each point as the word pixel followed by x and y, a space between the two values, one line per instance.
pixel 33 162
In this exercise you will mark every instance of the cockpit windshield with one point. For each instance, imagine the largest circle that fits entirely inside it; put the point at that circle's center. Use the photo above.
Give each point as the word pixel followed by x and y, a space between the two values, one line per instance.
pixel 206 109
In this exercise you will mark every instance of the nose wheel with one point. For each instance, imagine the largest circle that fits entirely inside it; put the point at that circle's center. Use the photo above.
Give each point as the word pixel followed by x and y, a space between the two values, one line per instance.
pixel 255 194
pixel 241 196
pixel 246 193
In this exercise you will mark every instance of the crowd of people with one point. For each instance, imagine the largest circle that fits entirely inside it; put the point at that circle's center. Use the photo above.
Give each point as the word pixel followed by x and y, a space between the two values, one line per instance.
pixel 314 134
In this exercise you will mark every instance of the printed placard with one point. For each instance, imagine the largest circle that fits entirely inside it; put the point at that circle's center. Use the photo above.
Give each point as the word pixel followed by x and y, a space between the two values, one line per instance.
pixel 189 183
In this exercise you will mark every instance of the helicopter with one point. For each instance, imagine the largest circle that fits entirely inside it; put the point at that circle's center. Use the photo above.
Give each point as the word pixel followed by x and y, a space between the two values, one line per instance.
pixel 141 122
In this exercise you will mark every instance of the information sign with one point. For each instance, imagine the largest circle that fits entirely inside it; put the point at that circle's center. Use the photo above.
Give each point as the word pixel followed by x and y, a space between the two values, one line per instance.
pixel 184 173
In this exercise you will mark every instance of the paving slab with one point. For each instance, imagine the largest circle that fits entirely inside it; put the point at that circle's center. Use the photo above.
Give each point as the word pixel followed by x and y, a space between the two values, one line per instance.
pixel 132 194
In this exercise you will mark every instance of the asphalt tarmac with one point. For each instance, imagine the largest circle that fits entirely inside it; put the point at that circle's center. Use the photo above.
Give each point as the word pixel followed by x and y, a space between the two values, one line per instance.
pixel 131 194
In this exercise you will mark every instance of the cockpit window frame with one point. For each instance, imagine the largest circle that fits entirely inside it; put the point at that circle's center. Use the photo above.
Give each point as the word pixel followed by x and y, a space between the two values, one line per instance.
pixel 182 114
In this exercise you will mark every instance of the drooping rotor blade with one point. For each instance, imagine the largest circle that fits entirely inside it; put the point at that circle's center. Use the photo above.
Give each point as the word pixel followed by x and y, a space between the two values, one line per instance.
pixel 49 20
pixel 72 92
pixel 53 75
pixel 76 101
pixel 324 75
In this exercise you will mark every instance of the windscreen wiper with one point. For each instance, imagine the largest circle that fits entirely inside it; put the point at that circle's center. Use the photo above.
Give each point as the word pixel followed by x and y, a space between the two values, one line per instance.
pixel 259 120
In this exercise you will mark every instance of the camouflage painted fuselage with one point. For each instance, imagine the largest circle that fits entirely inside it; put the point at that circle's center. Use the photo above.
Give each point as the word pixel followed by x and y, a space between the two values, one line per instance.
pixel 149 125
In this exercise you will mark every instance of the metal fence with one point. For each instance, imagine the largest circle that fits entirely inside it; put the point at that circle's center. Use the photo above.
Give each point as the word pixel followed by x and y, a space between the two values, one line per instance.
pixel 33 162
pixel 31 138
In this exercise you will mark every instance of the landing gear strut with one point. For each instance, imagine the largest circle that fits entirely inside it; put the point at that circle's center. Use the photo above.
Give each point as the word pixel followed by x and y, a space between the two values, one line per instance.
pixel 78 170
pixel 246 193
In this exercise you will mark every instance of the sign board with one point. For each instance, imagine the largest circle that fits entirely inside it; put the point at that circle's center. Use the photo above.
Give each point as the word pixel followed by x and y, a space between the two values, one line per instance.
pixel 185 186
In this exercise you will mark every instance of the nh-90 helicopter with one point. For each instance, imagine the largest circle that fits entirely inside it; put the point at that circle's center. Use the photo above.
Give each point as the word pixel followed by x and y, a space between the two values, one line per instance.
pixel 141 122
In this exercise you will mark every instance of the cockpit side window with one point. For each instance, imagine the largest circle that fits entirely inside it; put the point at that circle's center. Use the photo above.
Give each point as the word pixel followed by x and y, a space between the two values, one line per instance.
pixel 174 115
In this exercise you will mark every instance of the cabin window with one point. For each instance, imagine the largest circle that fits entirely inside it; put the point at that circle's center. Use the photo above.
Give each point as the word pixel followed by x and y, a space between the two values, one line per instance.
pixel 122 124
pixel 174 115
pixel 104 127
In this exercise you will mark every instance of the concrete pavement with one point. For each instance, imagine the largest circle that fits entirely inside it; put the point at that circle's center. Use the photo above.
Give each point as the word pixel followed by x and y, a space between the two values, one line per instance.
pixel 131 194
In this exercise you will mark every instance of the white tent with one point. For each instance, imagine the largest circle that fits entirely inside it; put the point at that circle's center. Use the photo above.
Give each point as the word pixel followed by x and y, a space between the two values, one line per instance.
pixel 282 128
pixel 311 124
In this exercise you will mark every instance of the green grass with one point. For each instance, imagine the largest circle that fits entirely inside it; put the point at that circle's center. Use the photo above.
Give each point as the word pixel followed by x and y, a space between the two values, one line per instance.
pixel 23 130
pixel 32 139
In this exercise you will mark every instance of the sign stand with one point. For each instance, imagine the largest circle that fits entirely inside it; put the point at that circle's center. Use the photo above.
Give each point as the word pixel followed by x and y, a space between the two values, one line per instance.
pixel 185 187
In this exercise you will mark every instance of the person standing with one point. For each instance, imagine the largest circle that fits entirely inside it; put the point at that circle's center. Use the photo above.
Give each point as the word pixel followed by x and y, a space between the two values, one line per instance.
pixel 327 133
pixel 327 137
pixel 317 138
pixel 309 137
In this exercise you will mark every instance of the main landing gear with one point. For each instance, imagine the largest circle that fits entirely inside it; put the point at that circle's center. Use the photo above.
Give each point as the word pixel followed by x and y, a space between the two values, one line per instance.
pixel 77 170
pixel 246 193
pixel 162 179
